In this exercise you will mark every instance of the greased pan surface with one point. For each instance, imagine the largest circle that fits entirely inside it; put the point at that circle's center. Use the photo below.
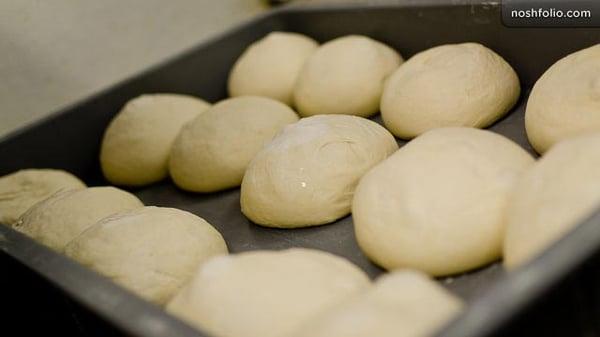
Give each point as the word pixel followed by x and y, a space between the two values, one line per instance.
pixel 70 140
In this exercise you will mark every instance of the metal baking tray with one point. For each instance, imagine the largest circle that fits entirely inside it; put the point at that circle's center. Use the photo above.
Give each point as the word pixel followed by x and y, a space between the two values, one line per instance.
pixel 556 295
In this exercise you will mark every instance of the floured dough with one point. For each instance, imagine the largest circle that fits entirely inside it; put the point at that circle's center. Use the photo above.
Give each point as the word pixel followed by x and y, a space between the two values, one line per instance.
pixel 345 76
pixel 22 189
pixel 439 203
pixel 400 304
pixel 451 85
pixel 136 145
pixel 265 293
pixel 558 192
pixel 269 67
pixel 565 101
pixel 306 176
pixel 152 251
pixel 55 221
pixel 212 152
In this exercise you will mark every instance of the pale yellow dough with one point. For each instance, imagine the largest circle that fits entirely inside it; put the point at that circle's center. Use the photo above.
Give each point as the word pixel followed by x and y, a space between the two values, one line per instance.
pixel 152 251
pixel 439 203
pixel 265 293
pixel 565 101
pixel 307 175
pixel 269 67
pixel 212 152
pixel 463 84
pixel 22 189
pixel 558 192
pixel 136 145
pixel 55 221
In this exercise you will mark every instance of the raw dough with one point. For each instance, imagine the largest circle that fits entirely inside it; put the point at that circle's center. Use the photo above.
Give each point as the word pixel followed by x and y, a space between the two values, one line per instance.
pixel 265 293
pixel 153 251
pixel 438 204
pixel 212 152
pixel 306 176
pixel 136 145
pixel 565 101
pixel 270 66
pixel 57 220
pixel 401 304
pixel 558 192
pixel 451 85
pixel 22 189
pixel 345 76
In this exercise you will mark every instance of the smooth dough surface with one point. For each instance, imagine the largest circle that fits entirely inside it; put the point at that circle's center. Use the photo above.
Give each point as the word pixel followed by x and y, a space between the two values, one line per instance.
pixel 558 192
pixel 152 251
pixel 265 293
pixel 400 304
pixel 345 76
pixel 57 220
pixel 438 204
pixel 22 189
pixel 451 85
pixel 565 101
pixel 307 175
pixel 269 67
pixel 212 152
pixel 136 145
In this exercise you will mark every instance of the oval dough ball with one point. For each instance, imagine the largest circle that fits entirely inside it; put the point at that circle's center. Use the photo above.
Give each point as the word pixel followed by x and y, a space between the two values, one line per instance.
pixel 269 67
pixel 136 145
pixel 152 251
pixel 345 76
pixel 212 152
pixel 306 176
pixel 57 220
pixel 438 204
pixel 401 304
pixel 265 293
pixel 565 101
pixel 558 192
pixel 451 85
pixel 22 189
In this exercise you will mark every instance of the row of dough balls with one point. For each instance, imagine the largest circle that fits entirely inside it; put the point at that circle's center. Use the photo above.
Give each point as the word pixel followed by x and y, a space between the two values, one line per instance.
pixel 176 259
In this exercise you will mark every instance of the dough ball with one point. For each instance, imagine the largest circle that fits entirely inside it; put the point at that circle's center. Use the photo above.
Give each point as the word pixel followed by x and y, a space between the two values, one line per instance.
pixel 438 204
pixel 265 293
pixel 306 176
pixel 451 85
pixel 136 145
pixel 152 251
pixel 270 66
pixel 212 152
pixel 401 304
pixel 565 101
pixel 57 220
pixel 22 189
pixel 345 76
pixel 559 191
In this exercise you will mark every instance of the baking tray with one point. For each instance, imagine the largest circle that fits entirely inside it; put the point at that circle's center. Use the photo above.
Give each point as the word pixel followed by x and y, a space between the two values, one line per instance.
pixel 556 295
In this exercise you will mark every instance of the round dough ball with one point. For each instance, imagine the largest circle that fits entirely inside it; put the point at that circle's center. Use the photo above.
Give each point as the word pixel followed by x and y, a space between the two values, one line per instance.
pixel 265 293
pixel 152 251
pixel 438 204
pixel 558 192
pixel 136 145
pixel 345 76
pixel 212 152
pixel 22 189
pixel 57 220
pixel 401 304
pixel 269 67
pixel 306 176
pixel 565 101
pixel 451 85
